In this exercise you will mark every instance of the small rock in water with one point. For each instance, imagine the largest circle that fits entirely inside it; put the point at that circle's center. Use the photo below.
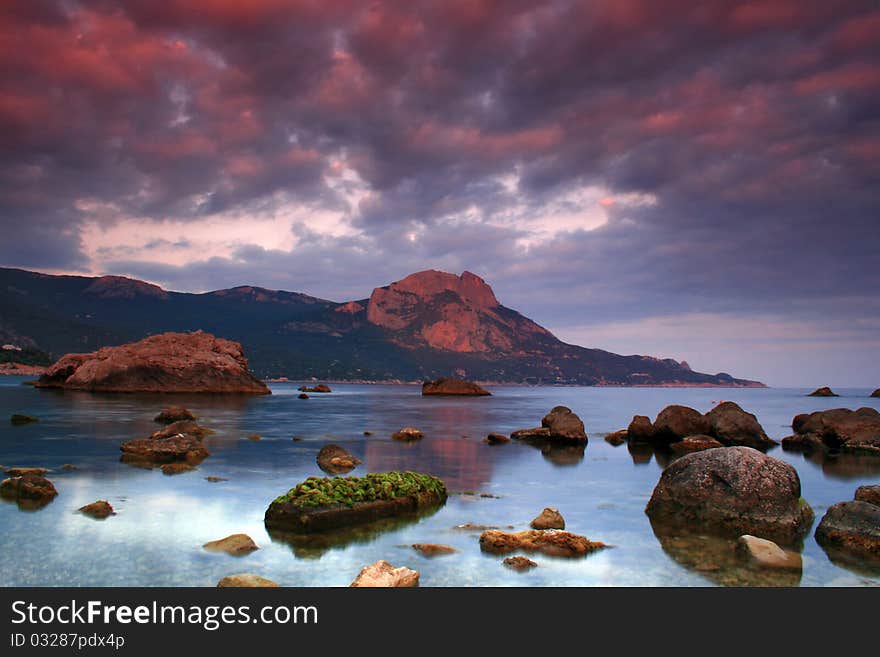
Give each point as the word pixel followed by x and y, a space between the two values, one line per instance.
pixel 20 472
pixel 334 459
pixel 173 414
pixel 383 574
pixel 433 549
pixel 479 528
pixel 214 479
pixel 824 391
pixel 21 418
pixel 761 552
pixel 694 444
pixel 302 395
pixel 551 542
pixel 69 466
pixel 177 467
pixel 519 563
pixel 549 518
pixel 98 510
pixel 407 434
pixel 368 433
pixel 497 439
pixel 616 438
pixel 245 580
pixel 235 544
pixel 255 437
pixel 297 439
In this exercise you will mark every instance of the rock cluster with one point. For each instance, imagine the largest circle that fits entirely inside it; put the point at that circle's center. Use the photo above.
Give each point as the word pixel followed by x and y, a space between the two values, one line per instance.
pixel 838 429
pixel 560 425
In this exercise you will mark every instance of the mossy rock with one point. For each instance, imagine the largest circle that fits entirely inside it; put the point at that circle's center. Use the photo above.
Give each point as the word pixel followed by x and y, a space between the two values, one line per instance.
pixel 319 504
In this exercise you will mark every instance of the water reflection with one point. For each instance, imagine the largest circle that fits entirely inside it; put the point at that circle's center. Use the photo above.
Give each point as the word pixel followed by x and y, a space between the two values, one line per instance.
pixel 715 559
pixel 641 453
pixel 461 464
pixel 844 466
pixel 859 564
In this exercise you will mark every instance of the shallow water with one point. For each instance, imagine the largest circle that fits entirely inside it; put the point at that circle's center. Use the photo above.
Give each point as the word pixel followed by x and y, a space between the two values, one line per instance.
pixel 155 539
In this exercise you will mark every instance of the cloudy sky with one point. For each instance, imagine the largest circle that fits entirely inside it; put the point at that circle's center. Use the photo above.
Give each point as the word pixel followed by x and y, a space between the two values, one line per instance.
pixel 684 179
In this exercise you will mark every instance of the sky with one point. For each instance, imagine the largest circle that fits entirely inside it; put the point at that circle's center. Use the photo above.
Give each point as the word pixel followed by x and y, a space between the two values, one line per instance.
pixel 683 179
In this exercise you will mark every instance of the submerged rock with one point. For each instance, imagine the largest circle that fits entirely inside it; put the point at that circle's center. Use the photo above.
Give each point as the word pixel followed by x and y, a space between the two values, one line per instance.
pixel 29 490
pixel 549 518
pixel 302 395
pixel 519 563
pixel 98 510
pixel 433 549
pixel 383 574
pixel 732 491
pixel 246 580
pixel 617 438
pixel 333 459
pixel 551 542
pixel 536 434
pixel 20 472
pixel 164 450
pixel 496 439
pixel 234 544
pixel 838 429
pixel 214 479
pixel 456 387
pixel 181 427
pixel 852 528
pixel 177 467
pixel 169 362
pixel 764 553
pixel 824 391
pixel 407 434
pixel 173 414
pixel 20 418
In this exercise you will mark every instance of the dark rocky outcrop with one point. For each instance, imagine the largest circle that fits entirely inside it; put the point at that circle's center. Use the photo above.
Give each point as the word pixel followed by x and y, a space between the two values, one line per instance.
pixel 676 422
pixel 851 530
pixel 824 391
pixel 732 491
pixel 173 414
pixel 407 434
pixel 496 439
pixel 869 494
pixel 302 395
pixel 30 491
pixel 171 362
pixel 550 542
pixel 334 459
pixel 731 425
pixel 549 518
pixel 564 425
pixel 383 574
pixel 454 387
pixel 98 510
pixel 640 430
pixel 316 505
pixel 838 429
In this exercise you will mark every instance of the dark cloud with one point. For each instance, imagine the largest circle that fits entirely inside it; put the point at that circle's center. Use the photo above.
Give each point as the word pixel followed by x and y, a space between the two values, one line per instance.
pixel 750 132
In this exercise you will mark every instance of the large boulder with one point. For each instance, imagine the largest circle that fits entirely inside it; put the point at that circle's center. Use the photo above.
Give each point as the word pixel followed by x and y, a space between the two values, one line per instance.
pixel 456 387
pixel 169 362
pixel 676 422
pixel 836 429
pixel 732 491
pixel 383 574
pixel 564 425
pixel 731 425
pixel 851 528
pixel 640 430
pixel 824 391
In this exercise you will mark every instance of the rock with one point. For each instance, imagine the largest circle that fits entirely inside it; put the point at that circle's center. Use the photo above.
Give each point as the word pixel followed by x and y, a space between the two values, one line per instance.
pixel 519 563
pixel 564 425
pixel 69 466
pixel 838 429
pixel 318 388
pixel 316 505
pixel 764 553
pixel 181 427
pixel 852 527
pixel 173 414
pixel 694 444
pixel 164 450
pixel 456 387
pixel 536 434
pixel 640 430
pixel 549 518
pixel 368 433
pixel 731 425
pixel 869 494
pixel 98 510
pixel 496 439
pixel 616 438
pixel 255 437
pixel 333 459
pixel 29 490
pixel 383 574
pixel 177 467
pixel 302 395
pixel 876 393
pixel 214 479
pixel 20 472
pixel 169 362
pixel 20 418
pixel 407 434
pixel 433 549
pixel 732 491
pixel 297 439
pixel 824 391
pixel 245 580
pixel 551 542
pixel 234 544
pixel 676 422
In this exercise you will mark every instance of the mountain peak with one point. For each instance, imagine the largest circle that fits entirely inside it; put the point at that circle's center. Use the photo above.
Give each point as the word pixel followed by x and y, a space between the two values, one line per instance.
pixel 429 283
pixel 121 287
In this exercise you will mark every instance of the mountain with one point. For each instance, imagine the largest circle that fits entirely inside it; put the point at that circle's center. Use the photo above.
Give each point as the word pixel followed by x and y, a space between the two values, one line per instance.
pixel 427 325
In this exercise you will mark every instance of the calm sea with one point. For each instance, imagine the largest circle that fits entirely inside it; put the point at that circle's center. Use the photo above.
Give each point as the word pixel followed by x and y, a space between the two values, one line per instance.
pixel 162 521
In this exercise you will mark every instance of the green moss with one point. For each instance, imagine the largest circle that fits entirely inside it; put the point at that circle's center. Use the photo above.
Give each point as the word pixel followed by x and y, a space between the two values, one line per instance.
pixel 316 491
